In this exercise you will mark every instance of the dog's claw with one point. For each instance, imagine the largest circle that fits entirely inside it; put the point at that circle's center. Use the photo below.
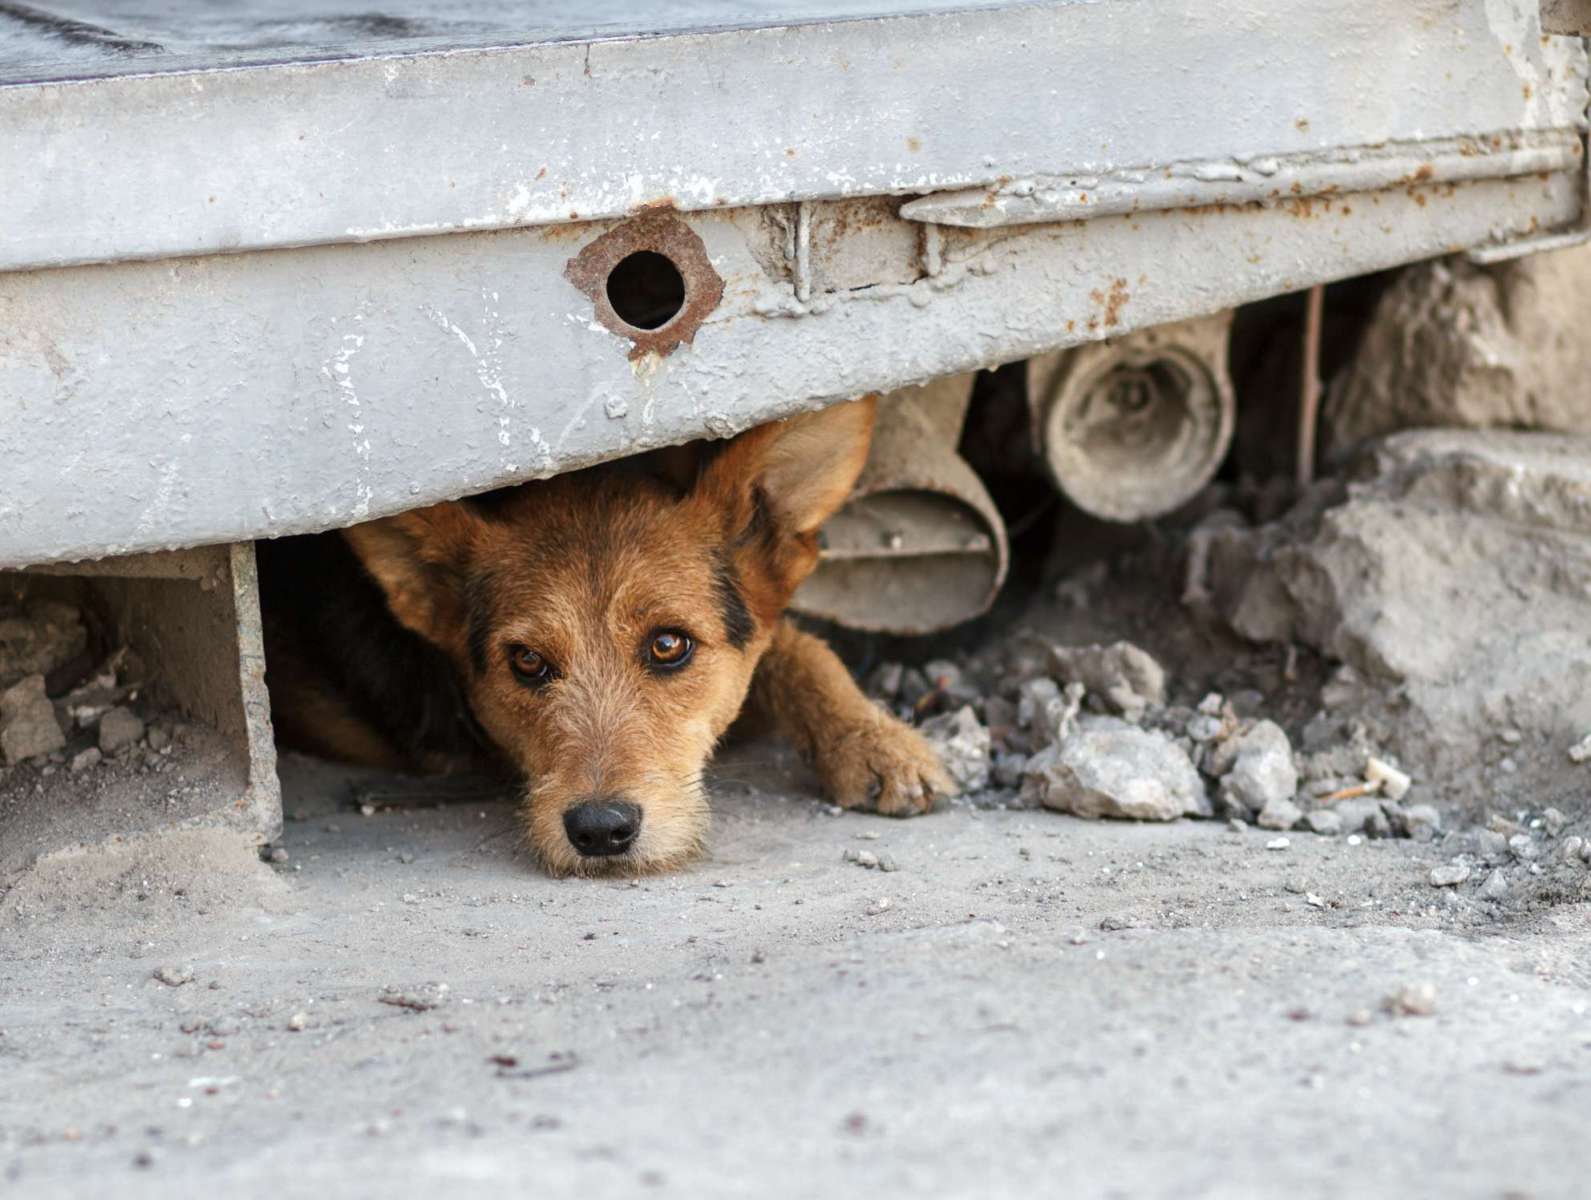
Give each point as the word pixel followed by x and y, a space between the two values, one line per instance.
pixel 882 766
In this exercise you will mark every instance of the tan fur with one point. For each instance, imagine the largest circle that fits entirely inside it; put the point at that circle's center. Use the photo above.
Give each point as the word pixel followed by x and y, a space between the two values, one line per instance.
pixel 586 568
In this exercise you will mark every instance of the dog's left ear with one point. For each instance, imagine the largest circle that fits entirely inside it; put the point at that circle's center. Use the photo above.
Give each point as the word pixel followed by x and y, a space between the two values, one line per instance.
pixel 800 470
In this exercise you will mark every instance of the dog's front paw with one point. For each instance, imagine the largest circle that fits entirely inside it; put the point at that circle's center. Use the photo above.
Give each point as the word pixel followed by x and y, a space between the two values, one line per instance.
pixel 883 766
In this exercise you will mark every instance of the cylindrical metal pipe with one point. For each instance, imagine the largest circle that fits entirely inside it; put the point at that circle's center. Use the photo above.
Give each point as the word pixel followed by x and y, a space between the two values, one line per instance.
pixel 920 545
pixel 1137 426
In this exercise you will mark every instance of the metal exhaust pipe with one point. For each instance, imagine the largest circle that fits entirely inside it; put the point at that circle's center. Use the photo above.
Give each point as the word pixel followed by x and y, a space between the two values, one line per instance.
pixel 1137 426
pixel 919 546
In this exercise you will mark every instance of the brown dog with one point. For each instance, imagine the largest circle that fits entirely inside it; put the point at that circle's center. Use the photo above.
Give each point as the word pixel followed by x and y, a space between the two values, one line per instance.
pixel 601 631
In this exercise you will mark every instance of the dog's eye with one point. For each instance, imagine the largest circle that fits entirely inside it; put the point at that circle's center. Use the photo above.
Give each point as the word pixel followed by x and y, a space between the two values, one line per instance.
pixel 528 667
pixel 669 649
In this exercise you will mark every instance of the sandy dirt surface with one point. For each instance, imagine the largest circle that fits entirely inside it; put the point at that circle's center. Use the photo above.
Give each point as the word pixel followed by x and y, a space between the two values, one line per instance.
pixel 1029 1004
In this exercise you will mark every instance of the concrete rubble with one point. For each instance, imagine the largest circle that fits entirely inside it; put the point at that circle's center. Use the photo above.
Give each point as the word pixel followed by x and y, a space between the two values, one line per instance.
pixel 1452 581
pixel 1452 344
pixel 1110 768
pixel 28 728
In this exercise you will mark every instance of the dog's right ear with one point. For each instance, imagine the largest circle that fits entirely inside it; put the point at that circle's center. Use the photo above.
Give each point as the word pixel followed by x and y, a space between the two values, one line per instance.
pixel 420 560
pixel 800 470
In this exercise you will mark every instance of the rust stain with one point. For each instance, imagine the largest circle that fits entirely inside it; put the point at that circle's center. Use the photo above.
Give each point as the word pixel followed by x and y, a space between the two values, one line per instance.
pixel 1111 301
pixel 789 151
pixel 1423 172
pixel 1528 90
pixel 1302 124
pixel 661 204
pixel 541 174
pixel 661 232
pixel 914 144
pixel 1117 299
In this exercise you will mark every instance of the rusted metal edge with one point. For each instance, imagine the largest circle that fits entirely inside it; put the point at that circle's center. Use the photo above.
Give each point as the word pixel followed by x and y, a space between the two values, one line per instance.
pixel 661 233
pixel 1541 243
pixel 1274 180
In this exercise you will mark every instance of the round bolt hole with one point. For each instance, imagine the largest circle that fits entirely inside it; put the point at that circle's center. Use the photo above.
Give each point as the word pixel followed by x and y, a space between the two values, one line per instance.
pixel 646 290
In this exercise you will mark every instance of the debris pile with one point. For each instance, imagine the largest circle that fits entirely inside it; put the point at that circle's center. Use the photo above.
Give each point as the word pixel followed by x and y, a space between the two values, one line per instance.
pixel 1088 730
pixel 62 708
pixel 1452 582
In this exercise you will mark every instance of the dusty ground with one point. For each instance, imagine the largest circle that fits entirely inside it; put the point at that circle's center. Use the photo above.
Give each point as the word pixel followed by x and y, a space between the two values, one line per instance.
pixel 1045 1006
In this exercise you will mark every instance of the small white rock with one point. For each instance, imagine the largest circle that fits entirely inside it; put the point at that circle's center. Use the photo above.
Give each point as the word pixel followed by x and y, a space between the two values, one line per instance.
pixel 1449 875
pixel 1280 843
pixel 1412 1000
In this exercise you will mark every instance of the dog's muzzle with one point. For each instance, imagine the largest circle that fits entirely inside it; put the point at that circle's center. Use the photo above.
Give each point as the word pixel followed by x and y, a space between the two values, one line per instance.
pixel 599 828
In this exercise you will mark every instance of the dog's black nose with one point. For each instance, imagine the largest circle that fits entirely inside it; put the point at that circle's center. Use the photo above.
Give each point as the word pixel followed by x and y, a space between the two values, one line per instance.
pixel 600 827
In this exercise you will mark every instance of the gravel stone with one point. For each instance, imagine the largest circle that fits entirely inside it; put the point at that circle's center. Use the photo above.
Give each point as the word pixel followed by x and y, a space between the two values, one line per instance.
pixel 28 727
pixel 1449 875
pixel 1112 769
pixel 885 680
pixel 1492 844
pixel 1362 816
pixel 1419 821
pixel 83 760
pixel 119 729
pixel 1279 814
pixel 1008 769
pixel 1034 699
pixel 1262 771
pixel 174 976
pixel 1324 822
pixel 1412 1000
pixel 1495 887
pixel 963 745
pixel 1125 676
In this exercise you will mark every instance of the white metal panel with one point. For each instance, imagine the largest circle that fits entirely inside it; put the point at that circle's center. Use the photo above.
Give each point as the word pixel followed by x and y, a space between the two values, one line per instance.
pixel 394 145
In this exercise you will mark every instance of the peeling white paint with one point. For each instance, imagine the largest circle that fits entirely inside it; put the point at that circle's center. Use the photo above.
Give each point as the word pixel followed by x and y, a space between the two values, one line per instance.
pixel 339 371
pixel 489 372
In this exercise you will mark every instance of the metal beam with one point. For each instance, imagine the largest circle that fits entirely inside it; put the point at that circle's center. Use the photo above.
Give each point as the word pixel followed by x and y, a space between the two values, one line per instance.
pixel 149 405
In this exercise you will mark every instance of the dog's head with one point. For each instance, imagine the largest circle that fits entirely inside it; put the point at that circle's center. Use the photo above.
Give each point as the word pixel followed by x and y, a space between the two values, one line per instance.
pixel 606 623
